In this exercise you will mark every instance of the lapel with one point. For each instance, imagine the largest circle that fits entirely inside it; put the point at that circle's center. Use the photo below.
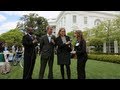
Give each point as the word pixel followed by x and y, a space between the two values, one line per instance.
pixel 46 39
pixel 61 39
pixel 67 39
pixel 29 37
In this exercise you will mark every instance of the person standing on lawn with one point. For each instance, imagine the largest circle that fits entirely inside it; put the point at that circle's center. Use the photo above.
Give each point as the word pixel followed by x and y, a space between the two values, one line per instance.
pixel 47 44
pixel 80 50
pixel 29 44
pixel 63 52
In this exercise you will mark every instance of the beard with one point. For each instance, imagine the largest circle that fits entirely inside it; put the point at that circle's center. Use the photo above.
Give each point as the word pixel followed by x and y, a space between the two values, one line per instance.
pixel 31 33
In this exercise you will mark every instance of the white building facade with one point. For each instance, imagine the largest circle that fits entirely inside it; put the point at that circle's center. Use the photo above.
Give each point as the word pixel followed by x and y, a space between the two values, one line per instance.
pixel 73 20
pixel 52 22
pixel 79 20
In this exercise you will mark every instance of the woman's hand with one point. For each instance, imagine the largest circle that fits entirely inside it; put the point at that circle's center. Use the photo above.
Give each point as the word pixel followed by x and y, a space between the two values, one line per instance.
pixel 67 43
pixel 35 41
pixel 52 40
pixel 73 52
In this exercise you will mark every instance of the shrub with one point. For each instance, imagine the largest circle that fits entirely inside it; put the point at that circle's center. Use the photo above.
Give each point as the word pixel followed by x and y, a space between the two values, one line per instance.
pixel 106 58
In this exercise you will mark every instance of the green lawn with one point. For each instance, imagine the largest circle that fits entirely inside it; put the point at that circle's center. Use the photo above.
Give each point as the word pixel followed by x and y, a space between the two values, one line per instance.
pixel 94 70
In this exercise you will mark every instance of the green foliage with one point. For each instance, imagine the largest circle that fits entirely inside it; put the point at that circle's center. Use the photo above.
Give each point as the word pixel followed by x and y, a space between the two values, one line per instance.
pixel 107 31
pixel 106 58
pixel 94 70
pixel 41 23
pixel 97 43
pixel 86 33
pixel 116 31
pixel 33 20
pixel 71 35
pixel 11 37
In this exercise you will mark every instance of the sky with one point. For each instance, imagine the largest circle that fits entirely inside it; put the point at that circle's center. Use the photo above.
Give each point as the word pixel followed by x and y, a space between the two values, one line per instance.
pixel 9 19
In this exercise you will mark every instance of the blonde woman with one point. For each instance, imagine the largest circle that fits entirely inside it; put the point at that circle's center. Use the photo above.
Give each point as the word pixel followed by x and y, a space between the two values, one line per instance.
pixel 63 52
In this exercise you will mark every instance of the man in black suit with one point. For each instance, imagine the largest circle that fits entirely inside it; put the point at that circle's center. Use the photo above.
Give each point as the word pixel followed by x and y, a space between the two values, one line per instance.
pixel 47 53
pixel 29 43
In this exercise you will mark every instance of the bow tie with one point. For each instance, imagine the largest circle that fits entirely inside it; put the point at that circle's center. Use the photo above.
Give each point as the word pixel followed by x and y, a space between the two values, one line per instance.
pixel 49 35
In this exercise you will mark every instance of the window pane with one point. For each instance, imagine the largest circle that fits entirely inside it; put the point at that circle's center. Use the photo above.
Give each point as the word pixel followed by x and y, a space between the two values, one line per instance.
pixel 97 22
pixel 64 21
pixel 85 20
pixel 74 18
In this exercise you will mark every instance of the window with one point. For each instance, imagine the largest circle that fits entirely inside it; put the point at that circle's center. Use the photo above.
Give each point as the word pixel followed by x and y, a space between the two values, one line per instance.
pixel 85 20
pixel 97 22
pixel 64 21
pixel 59 25
pixel 61 22
pixel 74 18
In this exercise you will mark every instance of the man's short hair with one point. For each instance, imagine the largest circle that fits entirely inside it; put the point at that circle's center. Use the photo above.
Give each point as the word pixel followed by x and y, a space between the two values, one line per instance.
pixel 29 28
pixel 48 27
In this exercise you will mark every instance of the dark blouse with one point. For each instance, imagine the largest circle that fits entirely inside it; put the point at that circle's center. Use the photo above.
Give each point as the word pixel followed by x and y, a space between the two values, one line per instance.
pixel 80 49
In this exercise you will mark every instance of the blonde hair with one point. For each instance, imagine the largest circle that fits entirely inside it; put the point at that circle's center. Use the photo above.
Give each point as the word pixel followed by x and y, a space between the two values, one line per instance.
pixel 60 31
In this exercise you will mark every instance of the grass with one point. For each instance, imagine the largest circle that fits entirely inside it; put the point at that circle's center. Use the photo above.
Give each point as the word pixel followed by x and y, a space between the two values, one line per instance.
pixel 94 70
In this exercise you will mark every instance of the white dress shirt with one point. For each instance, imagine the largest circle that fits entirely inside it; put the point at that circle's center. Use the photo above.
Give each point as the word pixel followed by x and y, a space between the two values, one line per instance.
pixel 49 37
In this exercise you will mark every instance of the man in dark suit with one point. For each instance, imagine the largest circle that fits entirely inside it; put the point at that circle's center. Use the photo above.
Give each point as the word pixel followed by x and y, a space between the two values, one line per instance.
pixel 47 53
pixel 29 43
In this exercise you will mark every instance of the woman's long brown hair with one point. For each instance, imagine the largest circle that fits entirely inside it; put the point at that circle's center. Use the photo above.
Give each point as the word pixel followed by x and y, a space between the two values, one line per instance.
pixel 79 35
pixel 60 31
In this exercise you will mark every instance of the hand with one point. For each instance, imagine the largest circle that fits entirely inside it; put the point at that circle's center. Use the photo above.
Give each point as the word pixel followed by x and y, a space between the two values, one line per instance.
pixel 67 43
pixel 35 41
pixel 52 41
pixel 73 52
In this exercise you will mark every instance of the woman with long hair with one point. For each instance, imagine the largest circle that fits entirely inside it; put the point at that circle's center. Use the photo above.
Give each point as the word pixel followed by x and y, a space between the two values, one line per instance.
pixel 80 50
pixel 63 52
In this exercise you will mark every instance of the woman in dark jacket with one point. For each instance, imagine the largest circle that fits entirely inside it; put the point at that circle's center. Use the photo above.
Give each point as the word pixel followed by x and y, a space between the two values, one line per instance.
pixel 80 50
pixel 63 52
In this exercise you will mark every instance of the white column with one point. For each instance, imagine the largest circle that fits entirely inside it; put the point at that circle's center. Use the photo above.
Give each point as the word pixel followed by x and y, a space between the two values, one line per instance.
pixel 115 46
pixel 68 22
pixel 104 47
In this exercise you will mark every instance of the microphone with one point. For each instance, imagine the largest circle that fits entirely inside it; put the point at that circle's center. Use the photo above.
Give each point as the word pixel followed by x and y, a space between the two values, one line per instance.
pixel 52 40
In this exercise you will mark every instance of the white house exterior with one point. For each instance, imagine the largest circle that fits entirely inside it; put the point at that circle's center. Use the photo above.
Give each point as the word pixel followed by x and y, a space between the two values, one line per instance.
pixel 72 20
pixel 52 22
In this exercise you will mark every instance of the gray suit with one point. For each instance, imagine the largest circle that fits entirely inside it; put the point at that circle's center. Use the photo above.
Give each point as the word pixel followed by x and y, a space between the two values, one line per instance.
pixel 47 56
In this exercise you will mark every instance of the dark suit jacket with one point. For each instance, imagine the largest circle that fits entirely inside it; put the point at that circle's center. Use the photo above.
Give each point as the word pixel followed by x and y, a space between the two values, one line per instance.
pixel 63 51
pixel 29 47
pixel 46 48
pixel 81 50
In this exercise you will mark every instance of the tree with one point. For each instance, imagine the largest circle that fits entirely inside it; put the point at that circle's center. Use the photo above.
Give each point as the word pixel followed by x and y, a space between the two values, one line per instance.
pixel 97 43
pixel 41 26
pixel 100 34
pixel 34 21
pixel 116 26
pixel 86 33
pixel 11 37
pixel 71 35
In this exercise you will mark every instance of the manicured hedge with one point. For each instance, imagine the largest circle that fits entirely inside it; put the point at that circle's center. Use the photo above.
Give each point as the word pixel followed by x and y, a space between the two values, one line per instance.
pixel 106 58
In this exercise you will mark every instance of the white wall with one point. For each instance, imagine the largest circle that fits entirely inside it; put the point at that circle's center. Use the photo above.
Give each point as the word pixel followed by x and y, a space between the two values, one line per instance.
pixel 91 17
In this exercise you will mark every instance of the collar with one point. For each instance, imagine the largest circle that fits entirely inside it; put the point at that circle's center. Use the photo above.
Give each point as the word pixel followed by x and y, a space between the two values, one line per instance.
pixel 49 35
pixel 29 34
